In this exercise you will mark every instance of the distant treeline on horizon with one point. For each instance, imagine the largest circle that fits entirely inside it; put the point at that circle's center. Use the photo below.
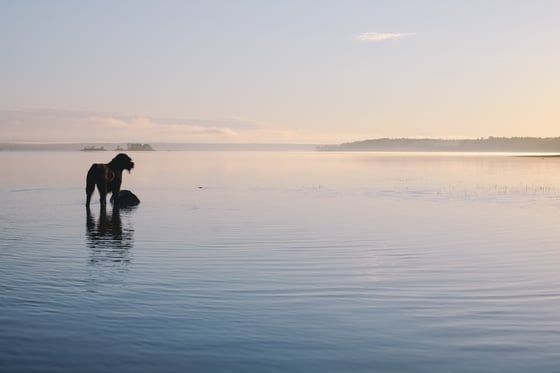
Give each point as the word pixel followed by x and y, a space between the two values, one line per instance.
pixel 490 144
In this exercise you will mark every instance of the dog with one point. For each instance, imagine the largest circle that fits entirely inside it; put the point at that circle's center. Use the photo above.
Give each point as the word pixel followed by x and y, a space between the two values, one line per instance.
pixel 108 178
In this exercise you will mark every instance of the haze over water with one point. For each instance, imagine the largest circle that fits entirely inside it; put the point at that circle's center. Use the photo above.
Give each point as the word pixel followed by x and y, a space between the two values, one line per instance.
pixel 282 262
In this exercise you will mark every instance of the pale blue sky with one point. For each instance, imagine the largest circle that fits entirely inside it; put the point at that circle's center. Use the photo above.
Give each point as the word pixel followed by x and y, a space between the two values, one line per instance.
pixel 277 71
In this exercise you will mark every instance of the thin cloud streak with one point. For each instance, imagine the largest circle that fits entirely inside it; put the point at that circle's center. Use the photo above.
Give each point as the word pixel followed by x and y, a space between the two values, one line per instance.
pixel 381 36
pixel 74 126
pixel 66 126
pixel 148 126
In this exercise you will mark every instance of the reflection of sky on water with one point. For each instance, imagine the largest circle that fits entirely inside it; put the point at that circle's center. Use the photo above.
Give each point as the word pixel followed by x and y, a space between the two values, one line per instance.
pixel 380 259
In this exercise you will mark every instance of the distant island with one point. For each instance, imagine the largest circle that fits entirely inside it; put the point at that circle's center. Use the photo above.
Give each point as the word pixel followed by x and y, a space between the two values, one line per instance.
pixel 129 147
pixel 93 149
pixel 490 144
pixel 138 147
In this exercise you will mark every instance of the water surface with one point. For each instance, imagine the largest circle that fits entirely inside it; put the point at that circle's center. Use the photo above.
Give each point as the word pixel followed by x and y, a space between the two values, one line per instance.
pixel 282 262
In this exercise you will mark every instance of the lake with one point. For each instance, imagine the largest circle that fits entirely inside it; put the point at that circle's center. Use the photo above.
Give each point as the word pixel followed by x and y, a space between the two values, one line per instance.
pixel 282 262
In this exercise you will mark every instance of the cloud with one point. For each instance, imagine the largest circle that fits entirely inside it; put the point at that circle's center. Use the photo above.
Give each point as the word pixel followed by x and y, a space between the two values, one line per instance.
pixel 381 36
pixel 73 126
pixel 40 125
pixel 155 127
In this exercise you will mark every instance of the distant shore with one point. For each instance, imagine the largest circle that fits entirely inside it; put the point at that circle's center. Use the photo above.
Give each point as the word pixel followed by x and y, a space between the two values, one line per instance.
pixel 548 145
pixel 533 146
pixel 539 156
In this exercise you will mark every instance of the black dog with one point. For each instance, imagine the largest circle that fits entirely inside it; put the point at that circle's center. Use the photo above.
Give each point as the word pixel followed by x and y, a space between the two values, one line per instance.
pixel 107 177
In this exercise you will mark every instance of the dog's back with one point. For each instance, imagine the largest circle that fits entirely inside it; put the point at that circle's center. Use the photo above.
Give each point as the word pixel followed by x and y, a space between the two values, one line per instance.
pixel 100 171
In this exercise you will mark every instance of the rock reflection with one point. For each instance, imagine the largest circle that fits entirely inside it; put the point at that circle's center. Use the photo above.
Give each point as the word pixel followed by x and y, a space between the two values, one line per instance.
pixel 109 241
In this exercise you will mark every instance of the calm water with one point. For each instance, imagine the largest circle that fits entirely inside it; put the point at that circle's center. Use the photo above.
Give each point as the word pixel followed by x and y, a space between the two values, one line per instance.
pixel 282 262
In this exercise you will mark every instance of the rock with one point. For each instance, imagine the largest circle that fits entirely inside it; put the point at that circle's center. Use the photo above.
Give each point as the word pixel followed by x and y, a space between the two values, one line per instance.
pixel 126 199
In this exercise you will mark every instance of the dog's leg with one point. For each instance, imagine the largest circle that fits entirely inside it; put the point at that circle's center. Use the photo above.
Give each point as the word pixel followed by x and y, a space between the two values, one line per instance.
pixel 90 221
pixel 102 188
pixel 90 185
pixel 116 192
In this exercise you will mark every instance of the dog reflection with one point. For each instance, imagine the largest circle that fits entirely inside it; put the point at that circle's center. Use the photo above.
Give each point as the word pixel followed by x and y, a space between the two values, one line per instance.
pixel 110 243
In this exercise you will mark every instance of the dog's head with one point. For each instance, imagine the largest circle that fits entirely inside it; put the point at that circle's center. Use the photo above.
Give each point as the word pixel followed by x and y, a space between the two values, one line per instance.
pixel 122 162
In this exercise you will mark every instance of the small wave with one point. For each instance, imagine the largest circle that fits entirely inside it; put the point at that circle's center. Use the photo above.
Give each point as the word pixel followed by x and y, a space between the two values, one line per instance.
pixel 24 190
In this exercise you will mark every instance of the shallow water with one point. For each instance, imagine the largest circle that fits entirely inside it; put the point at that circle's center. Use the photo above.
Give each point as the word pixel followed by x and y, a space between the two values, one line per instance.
pixel 282 262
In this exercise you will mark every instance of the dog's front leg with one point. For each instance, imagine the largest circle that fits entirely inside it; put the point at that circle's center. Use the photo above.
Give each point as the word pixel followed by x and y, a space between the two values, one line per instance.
pixel 116 191
pixel 115 197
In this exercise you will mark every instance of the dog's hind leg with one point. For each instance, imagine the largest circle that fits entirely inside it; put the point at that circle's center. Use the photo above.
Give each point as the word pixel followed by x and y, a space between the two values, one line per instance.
pixel 90 187
pixel 89 192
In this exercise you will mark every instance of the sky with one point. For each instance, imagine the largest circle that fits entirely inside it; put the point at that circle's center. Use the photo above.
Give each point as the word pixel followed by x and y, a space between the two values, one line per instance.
pixel 286 71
